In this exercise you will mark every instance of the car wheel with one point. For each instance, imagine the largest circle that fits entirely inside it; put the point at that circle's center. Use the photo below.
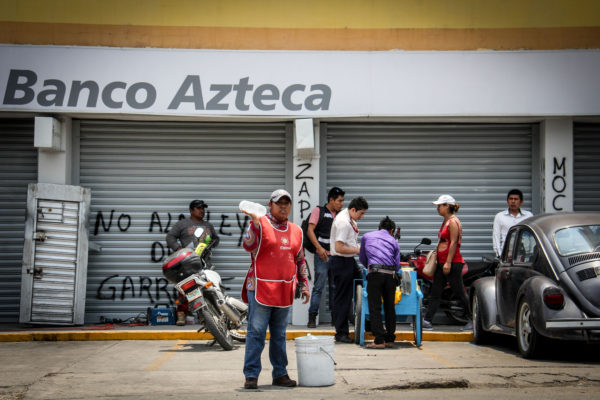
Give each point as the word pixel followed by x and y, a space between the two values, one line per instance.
pixel 480 336
pixel 529 340
pixel 358 298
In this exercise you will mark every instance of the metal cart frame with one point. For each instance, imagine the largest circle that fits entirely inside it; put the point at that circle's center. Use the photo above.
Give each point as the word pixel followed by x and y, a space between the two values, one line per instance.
pixel 410 305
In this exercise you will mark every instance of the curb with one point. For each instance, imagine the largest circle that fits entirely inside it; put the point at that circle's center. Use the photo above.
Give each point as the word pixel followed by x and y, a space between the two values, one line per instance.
pixel 79 335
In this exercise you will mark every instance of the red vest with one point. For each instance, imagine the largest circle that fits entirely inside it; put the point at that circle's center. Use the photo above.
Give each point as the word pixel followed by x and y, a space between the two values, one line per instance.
pixel 275 264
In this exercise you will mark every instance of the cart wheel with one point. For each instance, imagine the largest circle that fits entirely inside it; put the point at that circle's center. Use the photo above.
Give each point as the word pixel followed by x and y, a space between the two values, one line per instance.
pixel 358 298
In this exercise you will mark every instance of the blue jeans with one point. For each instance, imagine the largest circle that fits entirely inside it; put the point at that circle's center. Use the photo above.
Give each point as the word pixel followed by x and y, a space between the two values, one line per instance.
pixel 321 276
pixel 259 317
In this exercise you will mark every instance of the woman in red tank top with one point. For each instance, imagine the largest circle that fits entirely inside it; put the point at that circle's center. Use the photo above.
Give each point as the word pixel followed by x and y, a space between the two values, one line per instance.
pixel 450 261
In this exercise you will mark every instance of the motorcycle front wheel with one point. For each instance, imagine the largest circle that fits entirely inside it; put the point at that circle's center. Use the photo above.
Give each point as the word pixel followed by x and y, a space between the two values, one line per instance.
pixel 238 335
pixel 216 325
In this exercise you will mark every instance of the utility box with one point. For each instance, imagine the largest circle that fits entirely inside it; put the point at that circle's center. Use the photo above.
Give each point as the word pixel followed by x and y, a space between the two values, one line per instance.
pixel 55 254
pixel 46 134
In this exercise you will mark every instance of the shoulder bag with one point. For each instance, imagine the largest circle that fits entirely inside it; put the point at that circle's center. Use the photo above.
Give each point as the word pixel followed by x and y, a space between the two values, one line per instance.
pixel 430 263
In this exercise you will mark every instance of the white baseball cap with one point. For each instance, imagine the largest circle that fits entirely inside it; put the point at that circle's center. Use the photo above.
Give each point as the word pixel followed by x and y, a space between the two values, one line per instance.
pixel 444 199
pixel 278 194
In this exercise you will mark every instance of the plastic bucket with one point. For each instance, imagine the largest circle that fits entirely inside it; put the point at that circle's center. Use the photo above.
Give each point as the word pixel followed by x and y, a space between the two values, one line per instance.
pixel 314 356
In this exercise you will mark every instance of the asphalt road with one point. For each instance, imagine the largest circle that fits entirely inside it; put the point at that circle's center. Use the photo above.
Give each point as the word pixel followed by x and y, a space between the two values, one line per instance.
pixel 191 369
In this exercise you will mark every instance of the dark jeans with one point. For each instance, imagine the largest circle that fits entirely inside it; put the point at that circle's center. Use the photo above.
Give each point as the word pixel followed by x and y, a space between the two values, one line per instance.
pixel 344 270
pixel 439 282
pixel 382 286
pixel 322 276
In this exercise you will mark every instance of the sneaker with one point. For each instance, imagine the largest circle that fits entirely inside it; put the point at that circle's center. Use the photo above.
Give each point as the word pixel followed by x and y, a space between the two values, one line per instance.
pixel 468 326
pixel 284 381
pixel 251 383
pixel 427 325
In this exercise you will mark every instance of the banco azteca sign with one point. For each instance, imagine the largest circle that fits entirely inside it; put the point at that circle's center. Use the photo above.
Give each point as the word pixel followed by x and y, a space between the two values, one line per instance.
pixel 22 89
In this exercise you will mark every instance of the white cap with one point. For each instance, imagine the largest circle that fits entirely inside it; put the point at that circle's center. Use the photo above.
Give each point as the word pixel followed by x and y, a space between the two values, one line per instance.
pixel 278 194
pixel 445 199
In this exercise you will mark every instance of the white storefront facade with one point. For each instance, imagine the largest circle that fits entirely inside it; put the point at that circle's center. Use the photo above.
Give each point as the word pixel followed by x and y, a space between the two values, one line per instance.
pixel 148 130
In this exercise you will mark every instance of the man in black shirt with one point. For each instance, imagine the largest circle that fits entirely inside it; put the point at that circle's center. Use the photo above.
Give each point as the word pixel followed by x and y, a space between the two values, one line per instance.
pixel 182 234
pixel 319 227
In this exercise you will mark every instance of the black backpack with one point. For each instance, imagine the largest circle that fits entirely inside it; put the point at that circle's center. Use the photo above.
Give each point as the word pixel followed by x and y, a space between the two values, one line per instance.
pixel 308 245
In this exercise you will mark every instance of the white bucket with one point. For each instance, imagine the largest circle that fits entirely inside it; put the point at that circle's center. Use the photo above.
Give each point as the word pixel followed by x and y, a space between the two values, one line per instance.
pixel 314 356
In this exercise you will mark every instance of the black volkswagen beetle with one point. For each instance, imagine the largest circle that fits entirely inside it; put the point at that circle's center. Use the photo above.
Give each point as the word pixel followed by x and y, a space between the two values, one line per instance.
pixel 546 286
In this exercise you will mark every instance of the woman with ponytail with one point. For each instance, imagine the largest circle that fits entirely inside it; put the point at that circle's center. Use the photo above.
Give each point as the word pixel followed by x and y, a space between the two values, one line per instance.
pixel 449 260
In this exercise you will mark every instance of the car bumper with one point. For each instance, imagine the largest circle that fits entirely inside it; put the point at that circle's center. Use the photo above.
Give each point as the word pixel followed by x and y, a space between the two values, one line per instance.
pixel 574 323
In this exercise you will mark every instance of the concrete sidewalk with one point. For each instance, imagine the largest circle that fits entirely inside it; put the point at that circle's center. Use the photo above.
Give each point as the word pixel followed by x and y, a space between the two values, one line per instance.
pixel 23 333
pixel 195 369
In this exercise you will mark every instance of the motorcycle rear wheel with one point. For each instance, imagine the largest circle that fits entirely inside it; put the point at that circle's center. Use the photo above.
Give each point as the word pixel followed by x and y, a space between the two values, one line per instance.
pixel 457 315
pixel 217 328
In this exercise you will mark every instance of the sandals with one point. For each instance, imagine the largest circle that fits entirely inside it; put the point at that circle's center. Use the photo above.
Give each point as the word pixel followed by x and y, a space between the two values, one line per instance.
pixel 375 346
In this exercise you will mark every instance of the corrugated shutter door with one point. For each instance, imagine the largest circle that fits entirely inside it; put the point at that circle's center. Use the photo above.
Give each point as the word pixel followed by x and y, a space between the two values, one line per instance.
pixel 18 167
pixel 139 172
pixel 586 148
pixel 401 169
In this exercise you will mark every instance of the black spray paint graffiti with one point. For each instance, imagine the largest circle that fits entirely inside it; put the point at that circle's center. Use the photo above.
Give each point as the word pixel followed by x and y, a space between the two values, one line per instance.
pixel 158 250
pixel 559 183
pixel 118 288
pixel 304 204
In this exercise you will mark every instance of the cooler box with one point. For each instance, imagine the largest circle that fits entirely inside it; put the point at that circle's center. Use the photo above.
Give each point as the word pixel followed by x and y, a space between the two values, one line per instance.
pixel 161 314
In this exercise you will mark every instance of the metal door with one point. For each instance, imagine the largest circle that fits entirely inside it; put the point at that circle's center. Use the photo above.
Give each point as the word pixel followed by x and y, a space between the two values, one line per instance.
pixel 53 278
pixel 586 148
pixel 18 168
pixel 144 175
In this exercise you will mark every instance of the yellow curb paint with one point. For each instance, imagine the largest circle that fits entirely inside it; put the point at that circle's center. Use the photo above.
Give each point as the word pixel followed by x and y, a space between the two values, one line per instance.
pixel 160 361
pixel 103 335
pixel 194 335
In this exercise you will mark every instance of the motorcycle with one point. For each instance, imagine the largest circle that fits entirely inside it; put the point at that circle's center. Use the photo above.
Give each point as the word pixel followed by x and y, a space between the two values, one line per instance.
pixel 449 303
pixel 193 276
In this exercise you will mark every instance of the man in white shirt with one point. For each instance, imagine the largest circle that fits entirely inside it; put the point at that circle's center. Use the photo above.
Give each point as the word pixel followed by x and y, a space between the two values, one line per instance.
pixel 344 246
pixel 504 220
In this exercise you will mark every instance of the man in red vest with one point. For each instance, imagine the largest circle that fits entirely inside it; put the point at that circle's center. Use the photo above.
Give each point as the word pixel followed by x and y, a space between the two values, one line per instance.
pixel 275 246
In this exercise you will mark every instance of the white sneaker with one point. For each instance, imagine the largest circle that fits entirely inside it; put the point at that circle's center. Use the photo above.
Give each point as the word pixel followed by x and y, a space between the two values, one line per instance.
pixel 427 325
pixel 468 326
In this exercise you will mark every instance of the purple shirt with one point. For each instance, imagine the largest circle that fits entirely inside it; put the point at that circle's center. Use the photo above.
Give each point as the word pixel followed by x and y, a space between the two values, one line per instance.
pixel 379 247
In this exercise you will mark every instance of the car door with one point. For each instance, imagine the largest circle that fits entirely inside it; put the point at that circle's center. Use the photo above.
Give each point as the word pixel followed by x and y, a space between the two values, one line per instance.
pixel 515 269
pixel 503 271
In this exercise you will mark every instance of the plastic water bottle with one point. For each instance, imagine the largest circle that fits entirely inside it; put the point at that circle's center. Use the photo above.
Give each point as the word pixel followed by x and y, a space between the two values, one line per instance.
pixel 254 208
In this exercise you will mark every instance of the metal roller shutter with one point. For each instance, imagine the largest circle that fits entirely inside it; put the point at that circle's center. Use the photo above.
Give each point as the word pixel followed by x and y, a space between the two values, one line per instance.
pixel 401 168
pixel 18 167
pixel 139 172
pixel 586 168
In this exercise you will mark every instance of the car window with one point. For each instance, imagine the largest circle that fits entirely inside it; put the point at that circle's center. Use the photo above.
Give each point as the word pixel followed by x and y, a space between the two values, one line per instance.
pixel 577 239
pixel 526 248
pixel 507 255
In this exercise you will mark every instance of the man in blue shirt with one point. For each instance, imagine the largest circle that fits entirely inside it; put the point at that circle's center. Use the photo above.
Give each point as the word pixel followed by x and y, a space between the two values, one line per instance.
pixel 380 253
